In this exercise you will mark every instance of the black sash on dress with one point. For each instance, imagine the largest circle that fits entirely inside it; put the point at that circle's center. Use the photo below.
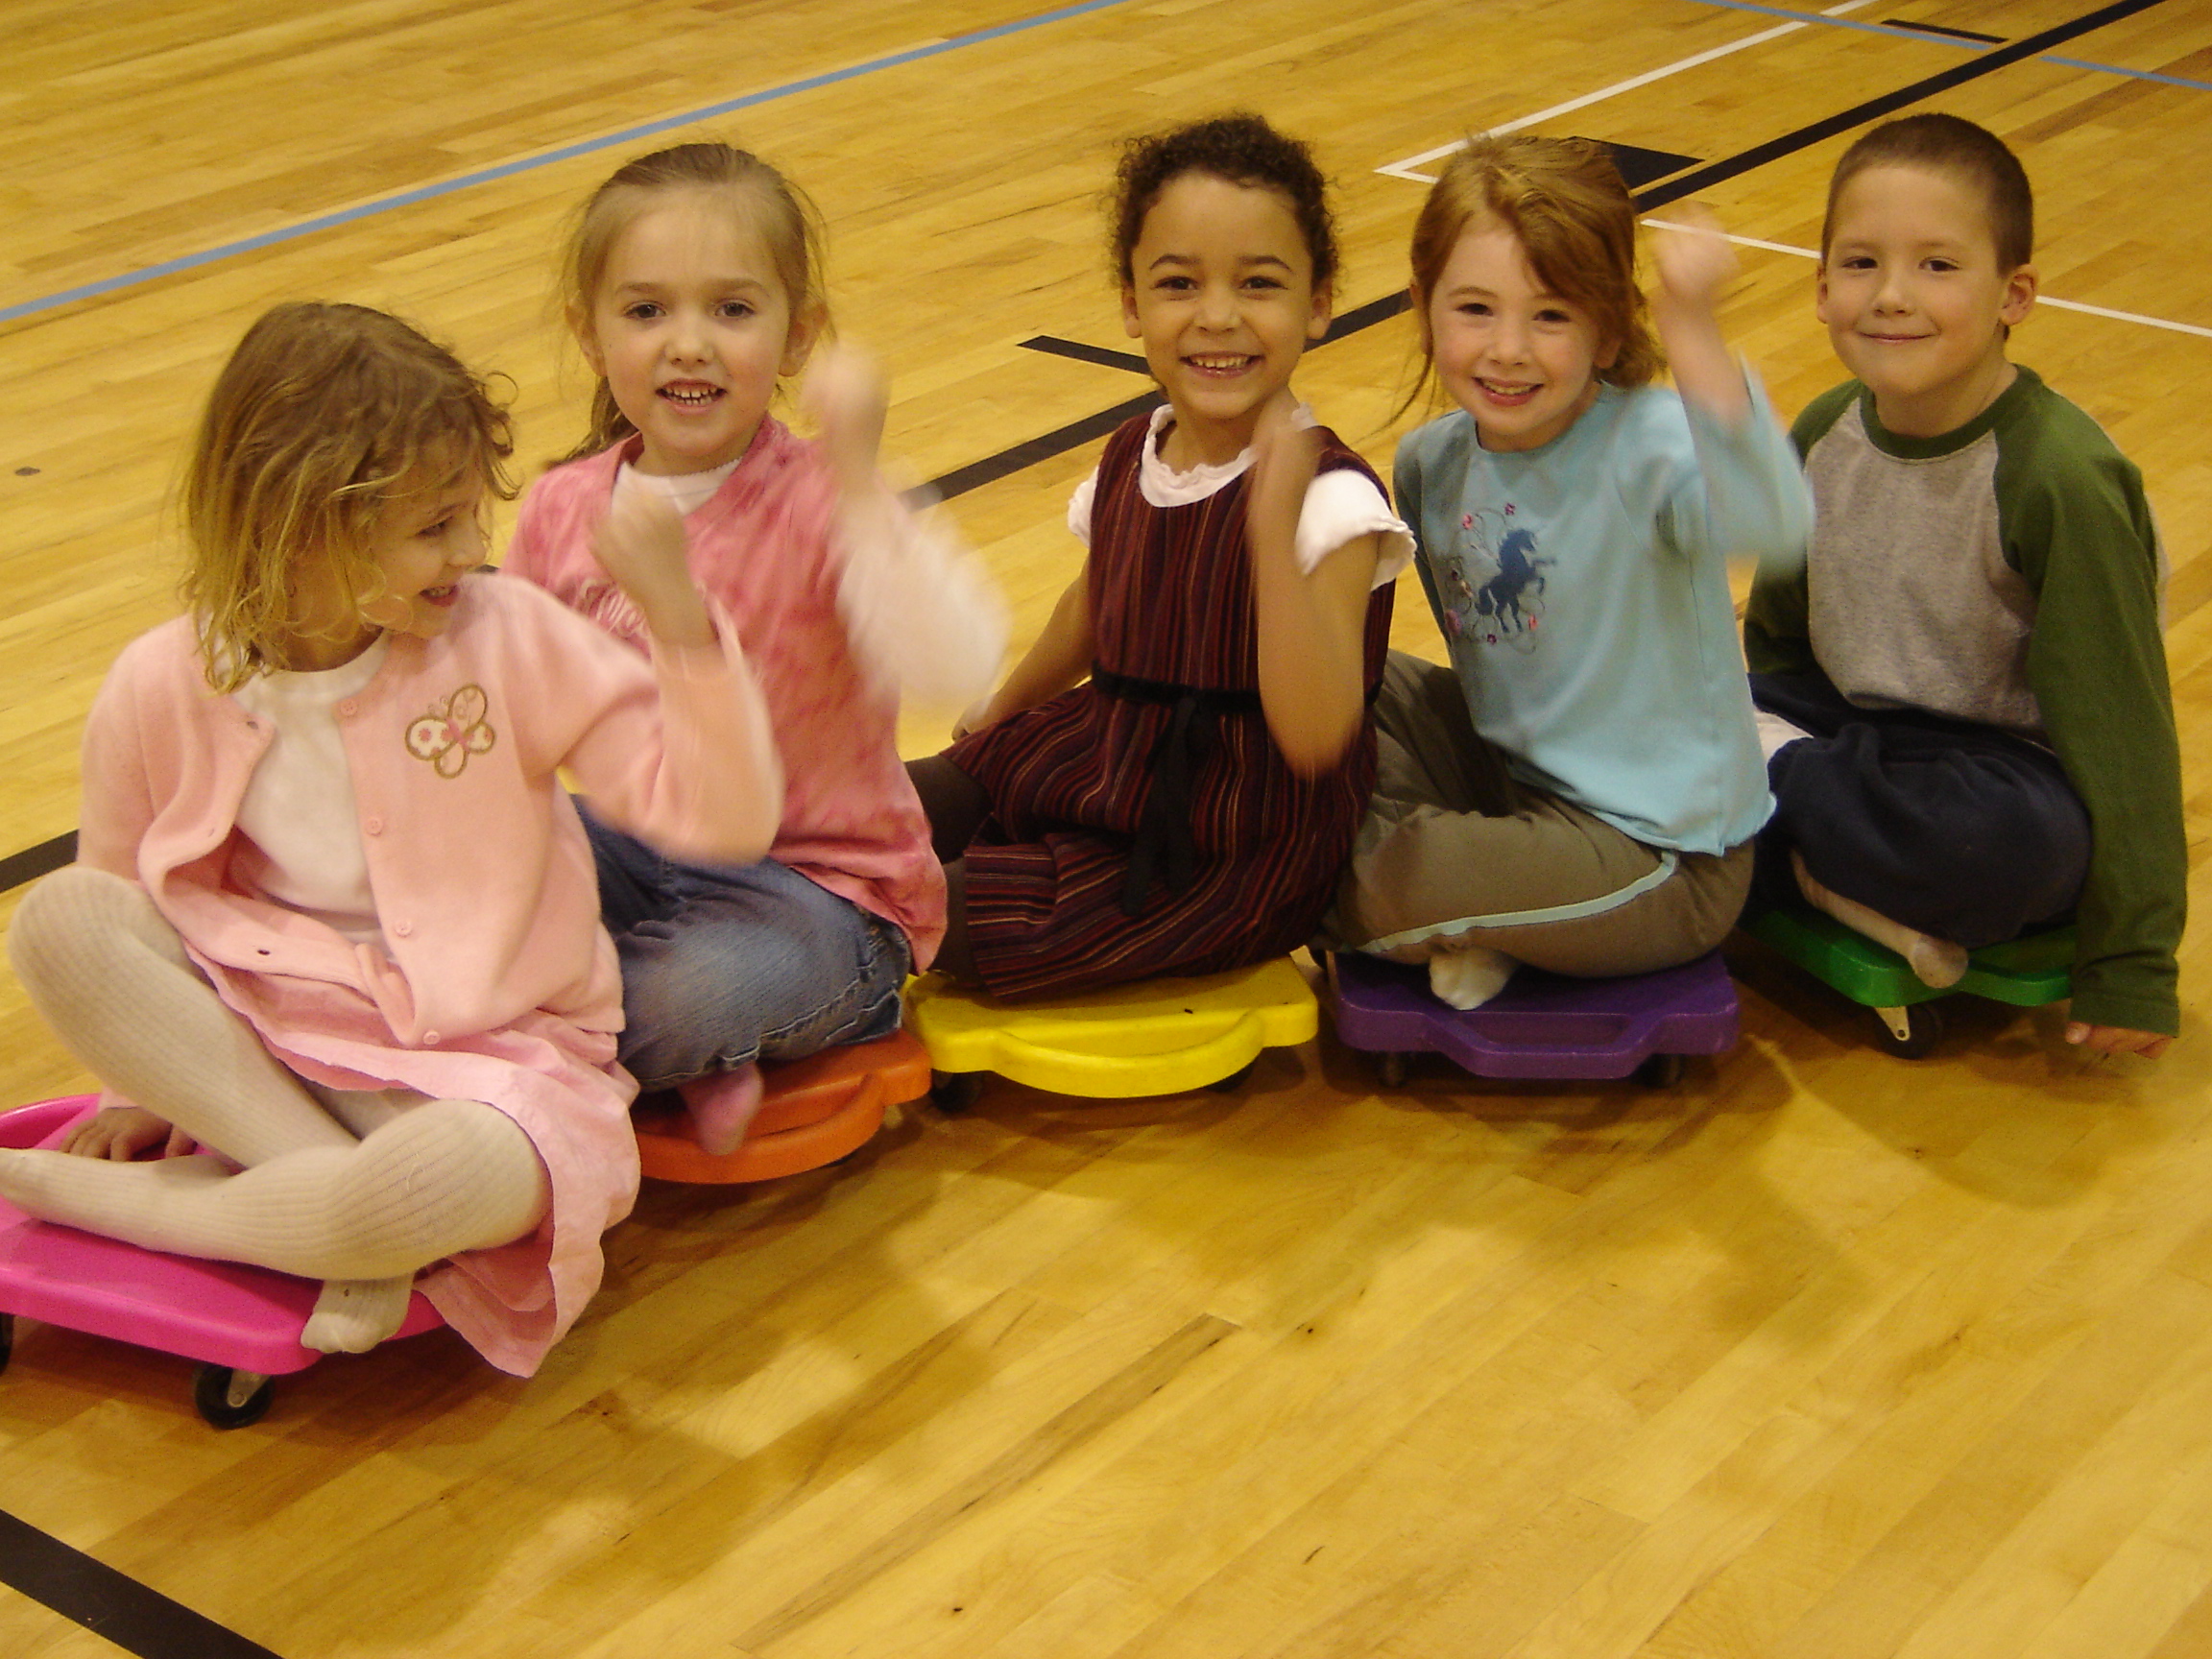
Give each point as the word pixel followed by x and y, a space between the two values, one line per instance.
pixel 1164 839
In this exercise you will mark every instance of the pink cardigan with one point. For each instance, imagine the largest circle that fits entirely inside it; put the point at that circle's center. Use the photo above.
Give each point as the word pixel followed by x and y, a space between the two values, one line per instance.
pixel 497 982
pixel 764 548
pixel 484 882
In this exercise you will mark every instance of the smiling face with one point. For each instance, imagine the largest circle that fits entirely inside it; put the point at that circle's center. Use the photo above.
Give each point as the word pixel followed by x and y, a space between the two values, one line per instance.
pixel 1221 293
pixel 1915 301
pixel 423 546
pixel 691 328
pixel 1520 359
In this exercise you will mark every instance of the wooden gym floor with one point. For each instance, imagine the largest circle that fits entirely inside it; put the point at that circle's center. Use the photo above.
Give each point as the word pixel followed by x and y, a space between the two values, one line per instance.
pixel 1822 1355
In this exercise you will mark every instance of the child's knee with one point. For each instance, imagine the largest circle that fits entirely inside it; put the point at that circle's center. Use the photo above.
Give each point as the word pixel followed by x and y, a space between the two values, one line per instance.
pixel 447 1175
pixel 69 924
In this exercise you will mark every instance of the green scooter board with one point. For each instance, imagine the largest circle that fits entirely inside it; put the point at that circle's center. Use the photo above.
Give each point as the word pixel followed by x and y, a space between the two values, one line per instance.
pixel 2026 972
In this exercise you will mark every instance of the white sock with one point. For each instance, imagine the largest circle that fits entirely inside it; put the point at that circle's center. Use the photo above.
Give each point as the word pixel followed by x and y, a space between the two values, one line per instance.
pixel 1470 976
pixel 449 1175
pixel 353 1315
pixel 1774 733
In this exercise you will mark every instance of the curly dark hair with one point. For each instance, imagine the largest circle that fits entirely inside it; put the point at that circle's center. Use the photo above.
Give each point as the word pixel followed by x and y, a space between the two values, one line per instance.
pixel 1239 147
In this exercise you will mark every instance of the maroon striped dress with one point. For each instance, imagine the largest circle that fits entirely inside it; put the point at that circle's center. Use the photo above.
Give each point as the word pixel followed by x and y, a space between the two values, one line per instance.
pixel 1145 823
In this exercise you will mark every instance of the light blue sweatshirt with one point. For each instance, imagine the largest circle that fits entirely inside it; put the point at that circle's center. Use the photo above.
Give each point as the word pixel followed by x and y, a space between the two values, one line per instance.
pixel 1582 588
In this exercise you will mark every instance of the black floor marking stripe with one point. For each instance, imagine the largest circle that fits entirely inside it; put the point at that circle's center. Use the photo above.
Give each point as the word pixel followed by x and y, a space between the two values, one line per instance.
pixel 1105 356
pixel 110 1604
pixel 1874 108
pixel 1365 316
pixel 1029 452
pixel 33 863
pixel 1939 29
pixel 24 866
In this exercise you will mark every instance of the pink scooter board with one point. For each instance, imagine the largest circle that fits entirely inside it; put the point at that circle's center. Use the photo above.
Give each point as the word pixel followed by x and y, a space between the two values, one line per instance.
pixel 241 1323
pixel 1541 1025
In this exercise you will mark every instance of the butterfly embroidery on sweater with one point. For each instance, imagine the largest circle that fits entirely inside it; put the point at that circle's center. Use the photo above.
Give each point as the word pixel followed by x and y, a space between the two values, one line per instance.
pixel 454 730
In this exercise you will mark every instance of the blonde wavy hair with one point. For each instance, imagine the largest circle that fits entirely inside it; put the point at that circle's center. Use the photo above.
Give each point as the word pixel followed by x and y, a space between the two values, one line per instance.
pixel 1565 203
pixel 326 420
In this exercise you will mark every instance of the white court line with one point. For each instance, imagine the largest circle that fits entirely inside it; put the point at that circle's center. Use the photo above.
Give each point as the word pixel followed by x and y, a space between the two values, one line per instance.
pixel 1405 169
pixel 2040 298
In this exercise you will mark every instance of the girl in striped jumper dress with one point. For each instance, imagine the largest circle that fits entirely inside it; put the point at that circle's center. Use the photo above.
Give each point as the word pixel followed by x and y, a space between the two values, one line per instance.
pixel 1170 782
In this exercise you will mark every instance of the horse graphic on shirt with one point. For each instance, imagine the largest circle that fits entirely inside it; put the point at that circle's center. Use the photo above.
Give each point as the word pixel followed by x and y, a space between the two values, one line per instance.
pixel 1502 599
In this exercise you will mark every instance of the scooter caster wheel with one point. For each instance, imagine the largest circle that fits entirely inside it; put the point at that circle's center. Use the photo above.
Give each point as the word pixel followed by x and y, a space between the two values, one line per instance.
pixel 955 1092
pixel 231 1399
pixel 1908 1033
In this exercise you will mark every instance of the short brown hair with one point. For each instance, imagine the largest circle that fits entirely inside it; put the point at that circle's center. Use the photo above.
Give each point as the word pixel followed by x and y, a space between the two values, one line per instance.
pixel 1949 144
pixel 789 225
pixel 1565 203
pixel 1239 148
pixel 325 418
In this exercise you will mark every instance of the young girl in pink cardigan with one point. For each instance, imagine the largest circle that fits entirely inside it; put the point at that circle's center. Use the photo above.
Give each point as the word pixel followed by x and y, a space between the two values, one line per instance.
pixel 333 915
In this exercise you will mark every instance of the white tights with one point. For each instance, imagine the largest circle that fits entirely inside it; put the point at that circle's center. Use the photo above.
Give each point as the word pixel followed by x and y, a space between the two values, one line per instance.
pixel 111 978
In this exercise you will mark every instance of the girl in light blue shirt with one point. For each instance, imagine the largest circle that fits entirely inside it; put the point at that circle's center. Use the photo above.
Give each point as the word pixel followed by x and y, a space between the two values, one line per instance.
pixel 1579 788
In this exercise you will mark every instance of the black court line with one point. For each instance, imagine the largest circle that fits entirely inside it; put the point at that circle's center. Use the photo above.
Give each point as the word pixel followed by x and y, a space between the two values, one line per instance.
pixel 1874 108
pixel 36 861
pixel 33 863
pixel 1029 452
pixel 110 1604
pixel 1938 29
pixel 1105 356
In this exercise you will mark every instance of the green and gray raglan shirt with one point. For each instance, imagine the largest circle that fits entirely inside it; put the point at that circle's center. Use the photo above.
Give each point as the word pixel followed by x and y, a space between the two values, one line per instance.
pixel 2007 573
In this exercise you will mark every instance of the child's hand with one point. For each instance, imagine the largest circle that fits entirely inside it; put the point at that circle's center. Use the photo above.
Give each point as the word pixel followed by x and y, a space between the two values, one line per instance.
pixel 1694 260
pixel 643 544
pixel 2118 1040
pixel 845 396
pixel 1285 456
pixel 1694 265
pixel 120 1133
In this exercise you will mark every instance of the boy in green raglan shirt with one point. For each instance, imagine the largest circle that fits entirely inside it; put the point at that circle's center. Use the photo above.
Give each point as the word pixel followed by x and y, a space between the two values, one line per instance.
pixel 1964 692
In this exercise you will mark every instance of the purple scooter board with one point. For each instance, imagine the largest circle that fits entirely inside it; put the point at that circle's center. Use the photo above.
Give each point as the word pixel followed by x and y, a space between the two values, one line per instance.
pixel 1541 1025
pixel 241 1323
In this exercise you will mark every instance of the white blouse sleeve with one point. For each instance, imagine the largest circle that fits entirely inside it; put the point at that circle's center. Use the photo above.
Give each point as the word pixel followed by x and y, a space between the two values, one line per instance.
pixel 1341 506
pixel 1079 509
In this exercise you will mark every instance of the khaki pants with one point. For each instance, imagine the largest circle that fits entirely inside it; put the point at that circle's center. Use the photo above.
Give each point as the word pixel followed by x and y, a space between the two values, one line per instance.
pixel 1454 851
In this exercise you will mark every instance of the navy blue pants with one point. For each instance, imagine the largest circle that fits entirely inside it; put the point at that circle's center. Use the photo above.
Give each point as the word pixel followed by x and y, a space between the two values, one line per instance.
pixel 1956 829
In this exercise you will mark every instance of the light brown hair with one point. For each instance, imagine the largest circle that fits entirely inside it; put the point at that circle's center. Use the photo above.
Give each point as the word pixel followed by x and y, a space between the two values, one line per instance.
pixel 1564 202
pixel 1949 144
pixel 789 225
pixel 324 419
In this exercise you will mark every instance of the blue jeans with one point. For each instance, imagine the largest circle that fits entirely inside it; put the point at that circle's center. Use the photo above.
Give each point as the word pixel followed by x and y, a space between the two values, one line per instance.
pixel 726 964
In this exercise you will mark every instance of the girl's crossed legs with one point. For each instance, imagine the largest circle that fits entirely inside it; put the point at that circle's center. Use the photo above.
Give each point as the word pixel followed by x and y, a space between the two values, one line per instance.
pixel 1457 857
pixel 361 1208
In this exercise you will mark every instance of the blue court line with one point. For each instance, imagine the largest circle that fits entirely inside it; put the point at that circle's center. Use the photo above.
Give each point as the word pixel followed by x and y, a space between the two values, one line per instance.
pixel 1897 33
pixel 529 163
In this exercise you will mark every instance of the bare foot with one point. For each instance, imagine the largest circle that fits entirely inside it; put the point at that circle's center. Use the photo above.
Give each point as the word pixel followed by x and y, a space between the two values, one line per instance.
pixel 721 1106
pixel 1937 963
